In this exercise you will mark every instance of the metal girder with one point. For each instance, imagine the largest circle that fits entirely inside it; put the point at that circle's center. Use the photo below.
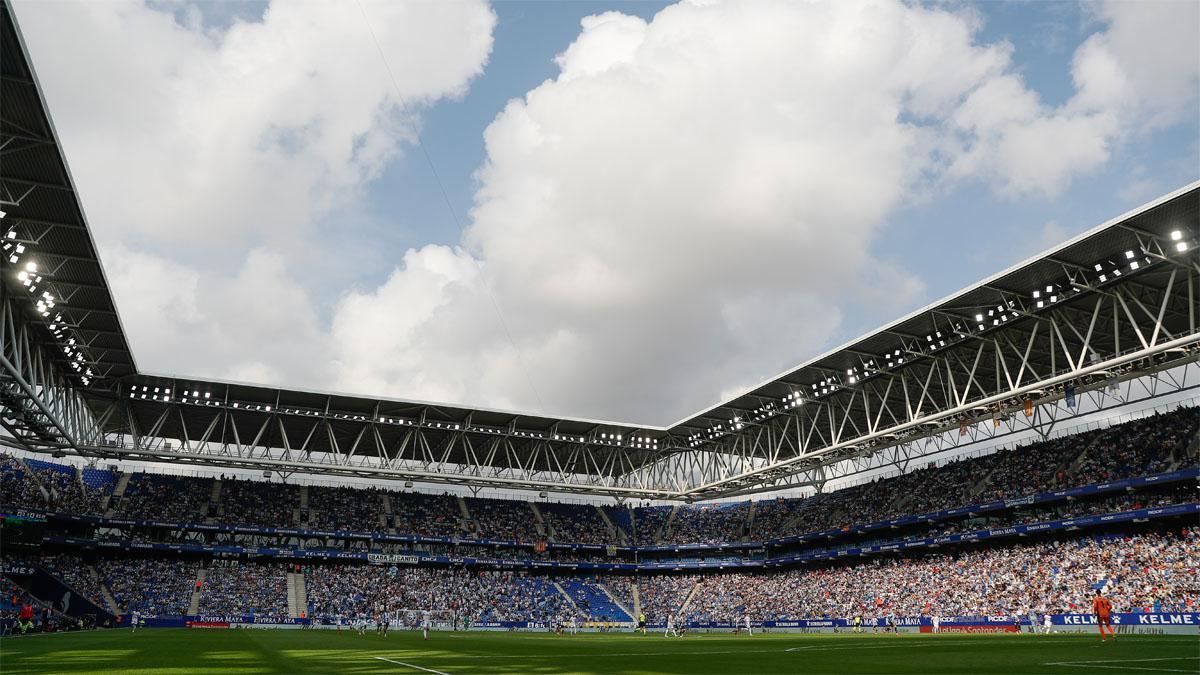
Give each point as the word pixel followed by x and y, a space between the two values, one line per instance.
pixel 1141 329
pixel 1095 338
pixel 39 406
pixel 223 436
pixel 1141 389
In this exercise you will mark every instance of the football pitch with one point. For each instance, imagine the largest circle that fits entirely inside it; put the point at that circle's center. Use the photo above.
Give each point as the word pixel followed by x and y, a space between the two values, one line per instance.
pixel 294 651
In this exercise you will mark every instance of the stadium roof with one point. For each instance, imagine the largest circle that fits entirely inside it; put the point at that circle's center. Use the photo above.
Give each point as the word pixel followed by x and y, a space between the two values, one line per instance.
pixel 1105 244
pixel 1000 337
pixel 37 191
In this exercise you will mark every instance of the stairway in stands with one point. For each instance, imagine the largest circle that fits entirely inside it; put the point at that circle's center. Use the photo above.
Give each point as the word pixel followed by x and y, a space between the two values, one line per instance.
pixel 297 593
pixel 194 603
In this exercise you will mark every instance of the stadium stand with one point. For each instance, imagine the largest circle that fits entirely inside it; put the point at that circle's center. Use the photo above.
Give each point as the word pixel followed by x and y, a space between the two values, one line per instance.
pixel 154 587
pixel 579 523
pixel 1147 446
pixel 248 502
pixel 426 515
pixel 501 519
pixel 16 487
pixel 151 496
pixel 1142 566
pixel 648 521
pixel 344 508
pixel 591 601
pixel 1141 571
pixel 76 575
pixel 251 589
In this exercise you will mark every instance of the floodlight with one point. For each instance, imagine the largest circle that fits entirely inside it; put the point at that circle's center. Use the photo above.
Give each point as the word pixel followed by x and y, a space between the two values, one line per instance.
pixel 1181 246
pixel 1129 255
pixel 31 266
pixel 1176 235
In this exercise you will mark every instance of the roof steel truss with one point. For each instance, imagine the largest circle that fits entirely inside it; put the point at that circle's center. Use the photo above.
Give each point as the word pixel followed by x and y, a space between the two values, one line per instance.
pixel 39 406
pixel 1105 335
pixel 332 443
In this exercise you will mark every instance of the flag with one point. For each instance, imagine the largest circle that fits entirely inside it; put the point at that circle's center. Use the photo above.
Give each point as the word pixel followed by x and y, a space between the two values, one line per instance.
pixel 1113 384
pixel 1029 407
pixel 996 420
pixel 1069 394
pixel 962 428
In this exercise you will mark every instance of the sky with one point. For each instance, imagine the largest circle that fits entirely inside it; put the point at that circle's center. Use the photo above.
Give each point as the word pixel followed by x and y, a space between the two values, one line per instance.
pixel 605 210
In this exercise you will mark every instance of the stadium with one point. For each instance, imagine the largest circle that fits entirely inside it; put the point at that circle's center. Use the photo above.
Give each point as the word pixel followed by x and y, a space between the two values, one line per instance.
pixel 949 493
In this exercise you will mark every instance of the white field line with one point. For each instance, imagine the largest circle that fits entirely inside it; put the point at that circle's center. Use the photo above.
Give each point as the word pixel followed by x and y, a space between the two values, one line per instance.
pixel 900 644
pixel 1099 664
pixel 411 665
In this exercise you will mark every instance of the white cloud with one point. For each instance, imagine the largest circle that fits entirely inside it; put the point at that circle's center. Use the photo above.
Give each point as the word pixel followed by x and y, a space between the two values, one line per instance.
pixel 219 139
pixel 1143 65
pixel 690 206
pixel 206 158
pixel 1138 73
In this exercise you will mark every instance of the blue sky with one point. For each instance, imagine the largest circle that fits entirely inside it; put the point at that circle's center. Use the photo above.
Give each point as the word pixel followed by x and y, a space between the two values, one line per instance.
pixel 644 210
pixel 985 233
pixel 406 202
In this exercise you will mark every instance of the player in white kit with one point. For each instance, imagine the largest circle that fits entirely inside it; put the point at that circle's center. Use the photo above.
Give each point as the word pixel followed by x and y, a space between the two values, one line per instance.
pixel 670 630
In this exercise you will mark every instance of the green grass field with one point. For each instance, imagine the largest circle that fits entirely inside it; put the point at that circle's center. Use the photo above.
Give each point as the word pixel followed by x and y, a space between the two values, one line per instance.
pixel 267 651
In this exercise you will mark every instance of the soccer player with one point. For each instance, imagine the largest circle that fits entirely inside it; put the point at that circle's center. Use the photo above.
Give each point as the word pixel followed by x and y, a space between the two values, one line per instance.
pixel 425 626
pixel 384 622
pixel 574 625
pixel 1047 627
pixel 746 620
pixel 135 620
pixel 1102 607
pixel 937 623
pixel 642 623
pixel 670 630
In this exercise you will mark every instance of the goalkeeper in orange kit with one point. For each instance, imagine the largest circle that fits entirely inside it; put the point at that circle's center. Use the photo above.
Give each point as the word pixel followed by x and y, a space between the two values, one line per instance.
pixel 1102 608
